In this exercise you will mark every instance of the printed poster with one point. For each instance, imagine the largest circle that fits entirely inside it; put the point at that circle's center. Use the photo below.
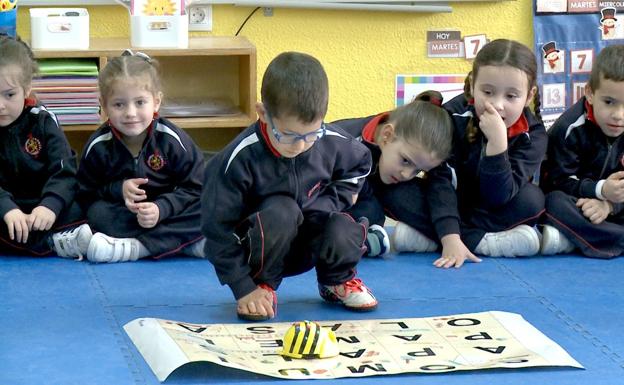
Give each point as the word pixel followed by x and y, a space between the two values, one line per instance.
pixel 368 347
pixel 155 7
pixel 408 86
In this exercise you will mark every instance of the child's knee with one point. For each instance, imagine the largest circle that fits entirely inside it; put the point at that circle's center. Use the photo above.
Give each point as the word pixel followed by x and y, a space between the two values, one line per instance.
pixel 345 234
pixel 557 201
pixel 532 199
pixel 283 213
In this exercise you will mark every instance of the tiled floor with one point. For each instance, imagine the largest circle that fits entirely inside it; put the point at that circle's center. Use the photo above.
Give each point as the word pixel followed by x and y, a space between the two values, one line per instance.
pixel 61 321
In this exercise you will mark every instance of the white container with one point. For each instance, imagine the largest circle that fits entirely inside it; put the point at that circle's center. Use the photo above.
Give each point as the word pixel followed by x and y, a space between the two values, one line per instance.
pixel 59 28
pixel 159 31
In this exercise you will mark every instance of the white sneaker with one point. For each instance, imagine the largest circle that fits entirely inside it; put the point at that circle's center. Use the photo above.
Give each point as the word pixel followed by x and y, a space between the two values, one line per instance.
pixel 353 294
pixel 406 238
pixel 377 242
pixel 521 241
pixel 554 242
pixel 103 248
pixel 72 243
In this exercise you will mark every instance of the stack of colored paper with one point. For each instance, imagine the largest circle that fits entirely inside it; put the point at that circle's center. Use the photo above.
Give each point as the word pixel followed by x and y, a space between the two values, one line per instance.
pixel 68 88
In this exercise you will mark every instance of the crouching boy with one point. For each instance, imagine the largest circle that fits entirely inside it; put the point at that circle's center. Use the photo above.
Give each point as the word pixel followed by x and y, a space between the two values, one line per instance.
pixel 274 199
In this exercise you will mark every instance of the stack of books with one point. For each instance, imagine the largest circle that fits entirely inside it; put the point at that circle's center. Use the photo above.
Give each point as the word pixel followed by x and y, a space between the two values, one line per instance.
pixel 69 88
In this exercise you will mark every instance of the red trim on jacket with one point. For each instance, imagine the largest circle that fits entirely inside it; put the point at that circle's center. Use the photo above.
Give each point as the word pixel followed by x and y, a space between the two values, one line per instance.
pixel 149 129
pixel 521 126
pixel 265 135
pixel 368 132
pixel 30 102
pixel 590 112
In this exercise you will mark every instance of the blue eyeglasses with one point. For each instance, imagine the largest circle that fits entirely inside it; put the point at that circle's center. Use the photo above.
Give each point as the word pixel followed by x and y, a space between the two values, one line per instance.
pixel 310 137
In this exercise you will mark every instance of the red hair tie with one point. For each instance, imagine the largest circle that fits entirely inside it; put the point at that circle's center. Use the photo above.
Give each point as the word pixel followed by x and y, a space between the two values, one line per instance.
pixel 436 101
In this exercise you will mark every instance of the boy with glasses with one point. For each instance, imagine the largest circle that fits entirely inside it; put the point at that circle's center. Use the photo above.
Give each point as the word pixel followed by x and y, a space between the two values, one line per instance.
pixel 274 199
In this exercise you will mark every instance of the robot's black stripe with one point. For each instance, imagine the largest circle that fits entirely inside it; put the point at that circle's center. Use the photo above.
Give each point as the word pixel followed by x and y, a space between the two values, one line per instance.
pixel 294 339
pixel 305 339
pixel 316 338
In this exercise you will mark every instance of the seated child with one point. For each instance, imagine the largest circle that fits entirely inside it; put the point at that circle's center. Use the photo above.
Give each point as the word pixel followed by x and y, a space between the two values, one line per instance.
pixel 273 199
pixel 584 172
pixel 498 146
pixel 37 165
pixel 140 176
pixel 405 144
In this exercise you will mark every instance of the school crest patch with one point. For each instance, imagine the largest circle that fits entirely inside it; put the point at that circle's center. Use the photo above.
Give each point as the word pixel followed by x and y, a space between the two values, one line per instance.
pixel 32 145
pixel 156 161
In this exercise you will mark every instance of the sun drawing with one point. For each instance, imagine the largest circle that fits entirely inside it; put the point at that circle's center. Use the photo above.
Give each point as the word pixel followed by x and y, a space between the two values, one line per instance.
pixel 159 7
pixel 7 5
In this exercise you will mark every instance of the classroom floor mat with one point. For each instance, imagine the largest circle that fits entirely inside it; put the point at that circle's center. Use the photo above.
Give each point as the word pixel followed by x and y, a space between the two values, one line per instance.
pixel 62 321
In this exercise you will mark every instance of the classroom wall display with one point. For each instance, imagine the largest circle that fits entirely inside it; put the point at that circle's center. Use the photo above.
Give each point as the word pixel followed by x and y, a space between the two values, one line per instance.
pixel 367 347
pixel 450 43
pixel 155 7
pixel 444 43
pixel 8 17
pixel 568 36
pixel 409 86
pixel 473 44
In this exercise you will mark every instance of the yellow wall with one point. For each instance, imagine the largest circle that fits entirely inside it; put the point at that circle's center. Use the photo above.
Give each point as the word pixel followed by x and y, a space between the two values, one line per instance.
pixel 362 51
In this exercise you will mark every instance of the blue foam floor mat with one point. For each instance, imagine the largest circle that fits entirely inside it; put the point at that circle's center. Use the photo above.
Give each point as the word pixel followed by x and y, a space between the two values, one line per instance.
pixel 61 321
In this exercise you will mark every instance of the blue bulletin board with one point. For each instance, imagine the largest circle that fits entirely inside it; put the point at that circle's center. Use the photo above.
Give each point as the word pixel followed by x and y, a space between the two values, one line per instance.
pixel 568 36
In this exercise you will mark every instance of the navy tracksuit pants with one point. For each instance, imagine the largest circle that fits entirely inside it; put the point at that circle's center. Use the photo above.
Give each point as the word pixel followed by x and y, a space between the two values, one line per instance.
pixel 169 236
pixel 38 241
pixel 280 241
pixel 407 202
pixel 604 240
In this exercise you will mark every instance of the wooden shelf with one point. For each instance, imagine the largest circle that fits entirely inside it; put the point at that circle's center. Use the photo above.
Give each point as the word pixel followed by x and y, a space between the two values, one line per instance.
pixel 212 68
pixel 239 120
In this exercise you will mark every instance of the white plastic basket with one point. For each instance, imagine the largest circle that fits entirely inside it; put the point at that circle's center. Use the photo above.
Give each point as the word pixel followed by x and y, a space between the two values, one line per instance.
pixel 159 31
pixel 59 28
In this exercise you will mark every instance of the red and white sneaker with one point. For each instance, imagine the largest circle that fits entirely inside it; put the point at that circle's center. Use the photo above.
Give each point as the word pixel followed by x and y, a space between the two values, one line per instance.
pixel 353 294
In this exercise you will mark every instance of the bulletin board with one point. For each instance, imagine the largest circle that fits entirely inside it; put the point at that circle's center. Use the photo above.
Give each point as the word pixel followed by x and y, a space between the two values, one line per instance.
pixel 568 36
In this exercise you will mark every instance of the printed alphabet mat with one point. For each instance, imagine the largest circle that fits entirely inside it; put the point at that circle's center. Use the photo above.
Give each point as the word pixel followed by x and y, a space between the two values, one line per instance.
pixel 485 340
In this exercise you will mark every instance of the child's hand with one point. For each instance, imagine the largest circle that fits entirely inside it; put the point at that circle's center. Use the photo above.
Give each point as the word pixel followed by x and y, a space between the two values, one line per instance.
pixel 454 252
pixel 594 209
pixel 147 214
pixel 133 194
pixel 41 218
pixel 17 223
pixel 613 188
pixel 494 129
pixel 259 301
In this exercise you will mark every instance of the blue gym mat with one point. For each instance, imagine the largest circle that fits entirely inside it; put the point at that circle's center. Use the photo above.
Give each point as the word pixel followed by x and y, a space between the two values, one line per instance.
pixel 61 320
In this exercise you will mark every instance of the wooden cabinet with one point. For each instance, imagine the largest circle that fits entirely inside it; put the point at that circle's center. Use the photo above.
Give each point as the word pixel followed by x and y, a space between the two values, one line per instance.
pixel 214 71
